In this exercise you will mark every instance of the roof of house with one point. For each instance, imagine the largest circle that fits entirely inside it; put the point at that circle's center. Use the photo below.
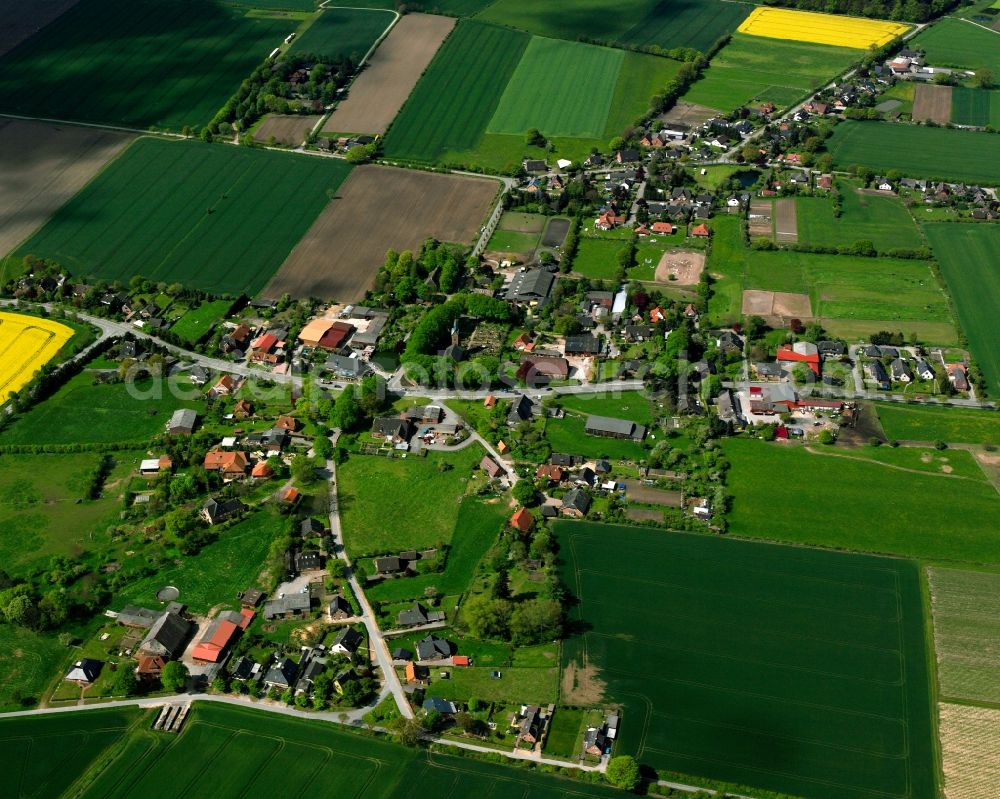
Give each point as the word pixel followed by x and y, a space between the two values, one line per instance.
pixel 213 643
pixel 290 603
pixel 349 639
pixel 314 331
pixel 413 616
pixel 431 648
pixel 439 705
pixel 522 520
pixel 85 670
pixel 168 634
pixel 532 284
pixel 582 345
pixel 340 605
pixel 281 673
pixel 577 499
pixel 132 616
pixel 491 467
pixel 617 427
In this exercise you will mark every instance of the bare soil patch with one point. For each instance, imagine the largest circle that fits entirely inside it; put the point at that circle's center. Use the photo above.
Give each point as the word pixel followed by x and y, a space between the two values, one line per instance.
pixel 581 685
pixel 689 114
pixel 380 208
pixel 932 103
pixel 41 166
pixel 649 495
pixel 970 749
pixel 760 218
pixel 786 226
pixel 287 129
pixel 19 20
pixel 777 307
pixel 685 265
pixel 643 515
pixel 381 89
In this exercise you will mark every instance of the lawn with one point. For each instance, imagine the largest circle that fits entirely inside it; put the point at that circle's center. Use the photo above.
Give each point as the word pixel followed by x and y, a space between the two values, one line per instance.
pixel 880 219
pixel 955 43
pixel 749 70
pixel 216 574
pixel 568 435
pixel 967 256
pixel 27 662
pixel 516 685
pixel 340 32
pixel 197 323
pixel 476 528
pixel 830 497
pixel 512 241
pixel 975 107
pixel 463 85
pixel 917 151
pixel 274 754
pixel 44 509
pixel 52 751
pixel 631 405
pixel 966 608
pixel 221 219
pixel 565 732
pixel 391 504
pixel 86 412
pixel 781 668
pixel 597 258
pixel 95 62
pixel 948 424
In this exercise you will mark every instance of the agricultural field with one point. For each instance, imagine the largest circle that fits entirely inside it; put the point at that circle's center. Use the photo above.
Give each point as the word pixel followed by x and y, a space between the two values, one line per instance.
pixel 369 484
pixel 277 754
pixel 919 152
pixel 476 529
pixel 970 750
pixel 780 668
pixel 744 72
pixel 966 608
pixel 70 70
pixel 27 343
pixel 865 215
pixel 808 26
pixel 197 323
pixel 979 107
pixel 338 258
pixel 380 90
pixel 343 32
pixel 221 219
pixel 966 254
pixel 52 751
pixel 840 492
pixel 928 423
pixel 955 43
pixel 218 572
pixel 288 130
pixel 663 23
pixel 932 103
pixel 85 411
pixel 41 167
pixel 45 510
pixel 18 21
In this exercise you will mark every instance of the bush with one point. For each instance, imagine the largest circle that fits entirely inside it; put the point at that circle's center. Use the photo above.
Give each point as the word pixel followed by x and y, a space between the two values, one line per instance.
pixel 623 772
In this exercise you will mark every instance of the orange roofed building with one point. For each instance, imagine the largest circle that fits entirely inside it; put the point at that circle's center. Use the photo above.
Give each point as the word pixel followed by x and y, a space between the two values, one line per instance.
pixel 701 231
pixel 522 520
pixel 230 464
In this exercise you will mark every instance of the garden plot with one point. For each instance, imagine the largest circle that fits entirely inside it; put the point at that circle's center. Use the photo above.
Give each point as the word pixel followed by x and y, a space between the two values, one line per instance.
pixel 761 223
pixel 786 228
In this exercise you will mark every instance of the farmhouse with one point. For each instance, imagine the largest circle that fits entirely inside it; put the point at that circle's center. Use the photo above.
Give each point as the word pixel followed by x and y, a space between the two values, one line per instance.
pixel 220 635
pixel 215 511
pixel 800 352
pixel 582 345
pixel 531 287
pixel 167 637
pixel 132 616
pixel 231 465
pixel 532 368
pixel 608 427
pixel 182 422
pixel 287 607
pixel 312 334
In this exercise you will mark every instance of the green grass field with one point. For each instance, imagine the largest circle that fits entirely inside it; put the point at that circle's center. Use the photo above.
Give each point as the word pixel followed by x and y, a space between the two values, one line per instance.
pixel 538 686
pixel 966 607
pixel 562 88
pixel 918 151
pixel 197 323
pixel 948 424
pixel 954 43
pixel 95 62
pixel 44 510
pixel 967 255
pixel 52 751
pixel 783 72
pixel 221 219
pixel 513 242
pixel 880 219
pixel 476 528
pixel 218 572
pixel 979 107
pixel 451 90
pixel 565 732
pixel 84 413
pixel 631 405
pixel 27 663
pixel 597 258
pixel 343 32
pixel 391 504
pixel 664 23
pixel 829 497
pixel 779 668
pixel 569 435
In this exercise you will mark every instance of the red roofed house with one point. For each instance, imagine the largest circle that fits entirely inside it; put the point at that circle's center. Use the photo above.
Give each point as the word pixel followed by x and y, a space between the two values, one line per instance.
pixel 491 467
pixel 242 409
pixel 460 660
pixel 690 311
pixel 262 471
pixel 225 386
pixel 663 227
pixel 522 520
pixel 524 342
pixel 490 402
pixel 657 315
pixel 641 230
pixel 554 474
pixel 150 667
pixel 289 423
pixel 231 465
pixel 800 352
pixel 609 221
pixel 701 231
pixel 289 496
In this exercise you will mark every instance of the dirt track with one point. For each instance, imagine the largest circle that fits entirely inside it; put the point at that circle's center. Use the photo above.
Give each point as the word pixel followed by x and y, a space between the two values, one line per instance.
pixel 685 265
pixel 288 129
pixel 20 19
pixel 932 103
pixel 380 208
pixel 381 89
pixel 786 226
pixel 43 165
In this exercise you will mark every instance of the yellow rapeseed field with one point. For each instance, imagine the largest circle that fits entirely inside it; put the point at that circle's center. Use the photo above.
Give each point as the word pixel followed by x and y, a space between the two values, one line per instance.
pixel 26 344
pixel 808 26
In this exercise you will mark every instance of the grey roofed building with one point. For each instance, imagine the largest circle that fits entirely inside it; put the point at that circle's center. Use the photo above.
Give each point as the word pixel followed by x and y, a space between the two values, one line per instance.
pixel 876 371
pixel 85 670
pixel 215 511
pixel 582 345
pixel 242 668
pixel 308 560
pixel 901 371
pixel 347 367
pixel 439 705
pixel 728 405
pixel 925 370
pixel 310 526
pixel 562 459
pixel 433 648
pixel 182 422
pixel 369 337
pixel 348 641
pixel 199 375
pixel 577 501
pixel 389 565
pixel 532 285
pixel 133 616
pixel 401 653
pixel 521 410
pixel 768 369
pixel 167 637
pixel 418 615
pixel 289 605
pixel 281 674
pixel 393 427
pixel 831 349
pixel 614 428
pixel 340 608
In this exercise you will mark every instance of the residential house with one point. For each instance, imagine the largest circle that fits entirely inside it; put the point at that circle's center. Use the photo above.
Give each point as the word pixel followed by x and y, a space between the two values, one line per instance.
pixel 281 675
pixel 728 341
pixel 225 386
pixel 231 465
pixel 339 609
pixel 531 726
pixel 876 371
pixel 348 642
pixel 522 409
pixel 434 648
pixel 392 429
pixel 900 371
pixel 522 520
pixel 84 671
pixel 829 350
pixel 924 370
pixel 493 469
pixel 608 427
pixel 216 511
pixel 288 606
pixel 576 503
pixel 627 156
pixel 958 376
pixel 150 667
pixel 438 705
pixel 389 565
pixel 768 370
pixel 308 560
pixel 418 615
